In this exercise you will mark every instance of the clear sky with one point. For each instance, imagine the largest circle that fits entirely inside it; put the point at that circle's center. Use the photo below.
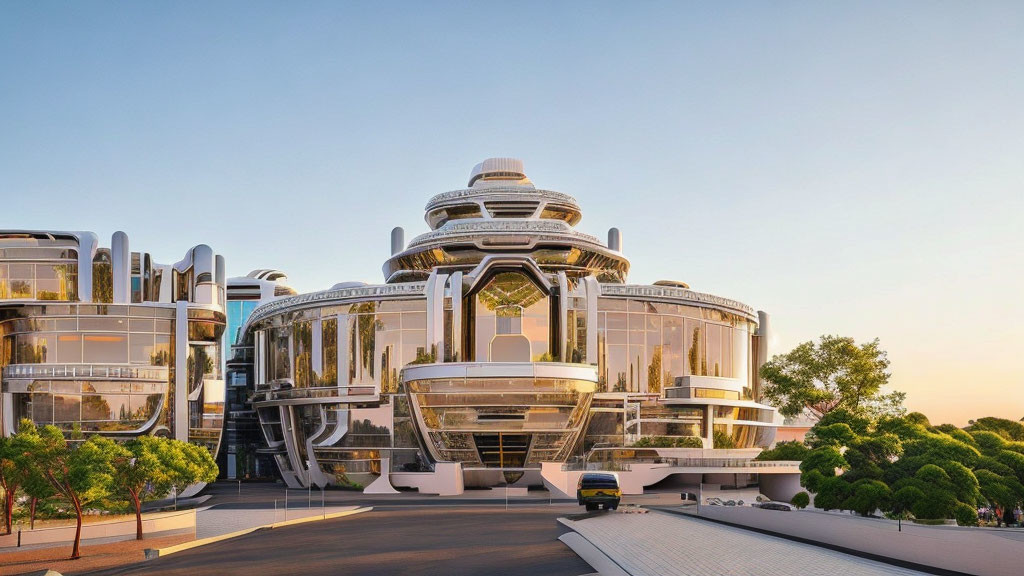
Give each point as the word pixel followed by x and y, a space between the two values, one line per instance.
pixel 853 168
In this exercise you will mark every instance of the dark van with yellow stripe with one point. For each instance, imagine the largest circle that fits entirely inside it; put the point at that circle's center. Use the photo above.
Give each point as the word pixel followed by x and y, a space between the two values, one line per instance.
pixel 598 490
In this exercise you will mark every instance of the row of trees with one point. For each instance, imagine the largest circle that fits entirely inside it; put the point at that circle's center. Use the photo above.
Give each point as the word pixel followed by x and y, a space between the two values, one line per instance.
pixel 904 464
pixel 865 454
pixel 43 465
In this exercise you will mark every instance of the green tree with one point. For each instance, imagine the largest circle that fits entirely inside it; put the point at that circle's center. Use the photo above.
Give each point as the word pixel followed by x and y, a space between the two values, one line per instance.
pixel 792 450
pixel 79 472
pixel 868 496
pixel 1008 429
pixel 34 484
pixel 900 464
pixel 835 373
pixel 12 466
pixel 147 467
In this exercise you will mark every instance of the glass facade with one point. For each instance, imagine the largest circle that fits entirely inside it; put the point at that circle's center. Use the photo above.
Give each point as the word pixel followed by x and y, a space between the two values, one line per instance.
pixel 645 346
pixel 92 344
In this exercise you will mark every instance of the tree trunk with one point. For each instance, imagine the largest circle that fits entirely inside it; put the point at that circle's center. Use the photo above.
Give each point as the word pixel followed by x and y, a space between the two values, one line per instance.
pixel 76 551
pixel 138 516
pixel 32 513
pixel 8 509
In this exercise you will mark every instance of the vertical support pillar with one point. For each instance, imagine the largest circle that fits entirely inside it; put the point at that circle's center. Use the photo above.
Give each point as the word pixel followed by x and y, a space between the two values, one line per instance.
pixel 121 266
pixel 435 313
pixel 709 422
pixel 8 414
pixel 456 291
pixel 87 243
pixel 764 331
pixel 220 277
pixel 593 289
pixel 260 370
pixel 181 370
pixel 344 358
pixel 563 316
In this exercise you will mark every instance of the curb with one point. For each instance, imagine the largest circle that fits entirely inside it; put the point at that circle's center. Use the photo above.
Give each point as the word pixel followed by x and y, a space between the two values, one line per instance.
pixel 159 552
pixel 598 559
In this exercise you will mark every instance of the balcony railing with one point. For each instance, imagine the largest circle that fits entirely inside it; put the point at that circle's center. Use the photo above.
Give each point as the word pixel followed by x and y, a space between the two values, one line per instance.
pixel 728 463
pixel 94 371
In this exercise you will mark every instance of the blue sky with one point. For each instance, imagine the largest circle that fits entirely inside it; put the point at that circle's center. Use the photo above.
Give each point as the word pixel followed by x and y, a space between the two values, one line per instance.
pixel 852 168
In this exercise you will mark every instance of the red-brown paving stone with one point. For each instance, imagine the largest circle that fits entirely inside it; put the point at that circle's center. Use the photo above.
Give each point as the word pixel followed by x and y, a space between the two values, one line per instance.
pixel 94 557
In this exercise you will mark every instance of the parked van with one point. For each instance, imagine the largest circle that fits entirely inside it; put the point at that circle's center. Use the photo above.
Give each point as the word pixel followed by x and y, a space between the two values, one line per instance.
pixel 598 490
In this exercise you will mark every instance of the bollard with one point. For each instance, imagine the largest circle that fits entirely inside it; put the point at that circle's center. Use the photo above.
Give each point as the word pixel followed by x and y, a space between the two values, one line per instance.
pixel 19 537
pixel 323 507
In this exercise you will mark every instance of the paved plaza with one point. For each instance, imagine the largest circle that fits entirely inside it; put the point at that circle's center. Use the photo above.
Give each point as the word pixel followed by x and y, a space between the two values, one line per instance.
pixel 660 544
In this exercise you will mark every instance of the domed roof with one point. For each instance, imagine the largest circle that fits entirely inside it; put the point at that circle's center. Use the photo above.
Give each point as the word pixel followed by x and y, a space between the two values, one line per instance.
pixel 502 211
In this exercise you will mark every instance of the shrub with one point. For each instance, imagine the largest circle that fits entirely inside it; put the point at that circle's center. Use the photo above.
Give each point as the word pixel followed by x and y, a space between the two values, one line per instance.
pixel 689 442
pixel 723 441
pixel 1012 460
pixel 965 515
pixel 832 493
pixel 868 496
pixel 936 504
pixel 793 450
pixel 1006 428
pixel 801 500
pixel 988 442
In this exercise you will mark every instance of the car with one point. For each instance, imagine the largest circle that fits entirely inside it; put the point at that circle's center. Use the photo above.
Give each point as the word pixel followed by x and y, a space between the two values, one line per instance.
pixel 597 490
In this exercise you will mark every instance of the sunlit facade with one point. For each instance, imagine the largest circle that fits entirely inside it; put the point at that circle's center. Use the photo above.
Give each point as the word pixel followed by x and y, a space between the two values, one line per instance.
pixel 108 341
pixel 504 342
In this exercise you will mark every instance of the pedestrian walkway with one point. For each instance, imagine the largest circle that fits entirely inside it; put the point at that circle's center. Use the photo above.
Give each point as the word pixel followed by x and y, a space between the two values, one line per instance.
pixel 217 521
pixel 659 544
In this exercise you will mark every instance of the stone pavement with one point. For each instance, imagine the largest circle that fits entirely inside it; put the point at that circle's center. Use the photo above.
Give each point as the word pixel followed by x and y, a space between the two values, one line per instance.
pixel 659 544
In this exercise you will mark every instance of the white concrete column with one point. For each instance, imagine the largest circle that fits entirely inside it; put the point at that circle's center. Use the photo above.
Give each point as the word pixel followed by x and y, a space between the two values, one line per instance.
pixel 8 414
pixel 181 371
pixel 204 274
pixel 456 292
pixel 764 331
pixel 87 244
pixel 343 353
pixel 563 316
pixel 435 312
pixel 593 289
pixel 121 265
pixel 166 282
pixel 220 277
pixel 397 240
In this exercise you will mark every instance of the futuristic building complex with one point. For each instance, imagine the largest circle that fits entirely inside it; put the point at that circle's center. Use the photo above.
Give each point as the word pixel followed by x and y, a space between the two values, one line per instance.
pixel 108 341
pixel 505 346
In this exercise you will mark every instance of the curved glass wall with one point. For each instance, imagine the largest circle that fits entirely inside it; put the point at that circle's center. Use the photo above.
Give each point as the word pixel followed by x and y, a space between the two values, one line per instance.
pixel 644 346
pixel 58 361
